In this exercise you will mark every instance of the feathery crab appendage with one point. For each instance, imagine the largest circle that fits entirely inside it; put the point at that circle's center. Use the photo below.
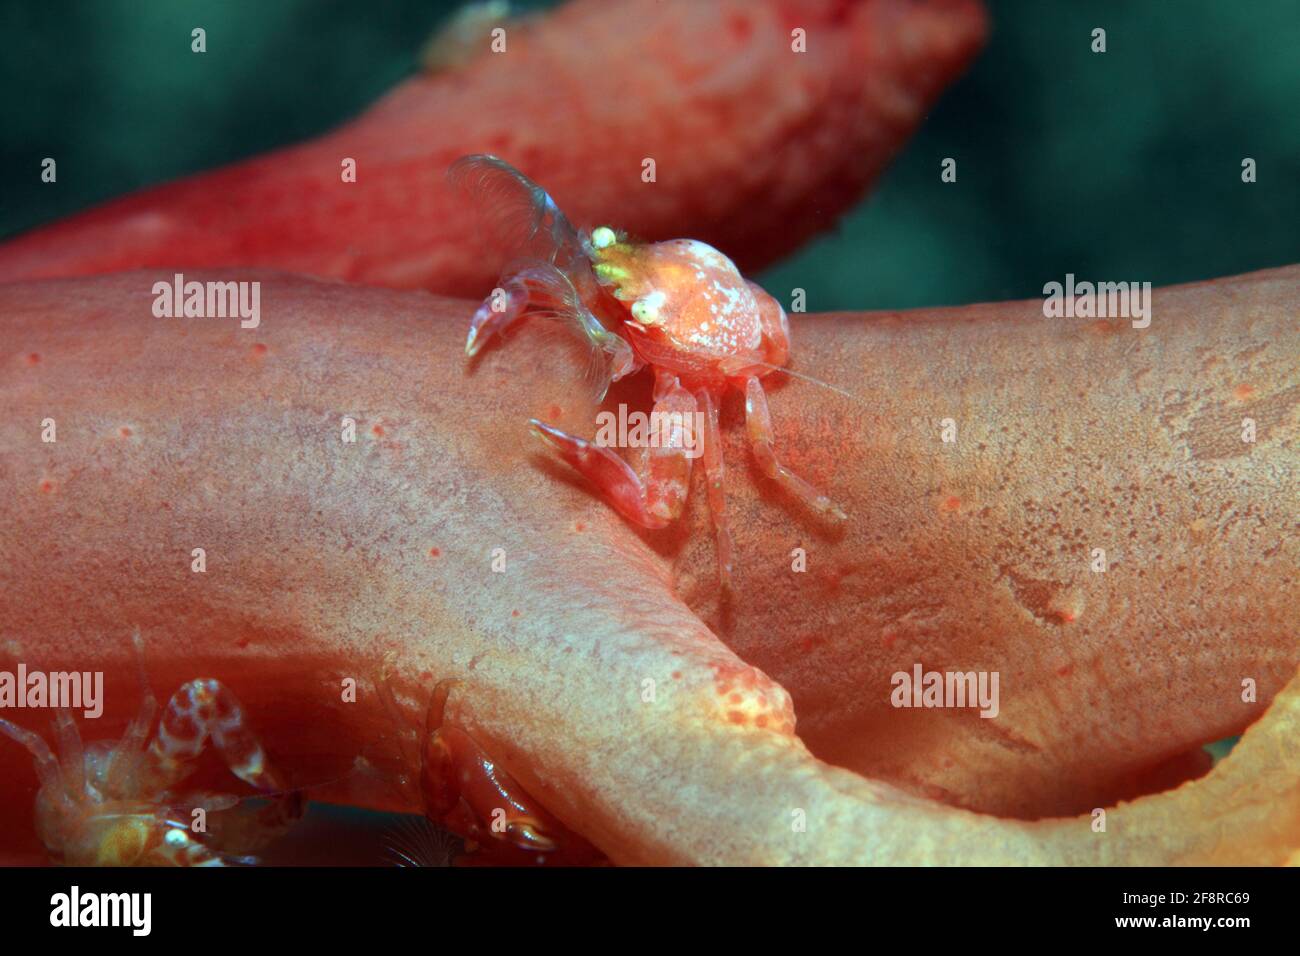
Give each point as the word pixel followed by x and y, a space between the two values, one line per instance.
pixel 680 307
pixel 543 291
pixel 113 803
pixel 519 218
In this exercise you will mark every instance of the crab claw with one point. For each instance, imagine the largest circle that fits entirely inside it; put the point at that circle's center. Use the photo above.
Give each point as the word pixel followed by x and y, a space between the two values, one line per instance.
pixel 528 834
pixel 622 361
pixel 502 307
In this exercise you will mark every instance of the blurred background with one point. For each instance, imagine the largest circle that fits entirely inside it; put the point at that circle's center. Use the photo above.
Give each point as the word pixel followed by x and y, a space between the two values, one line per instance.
pixel 1123 165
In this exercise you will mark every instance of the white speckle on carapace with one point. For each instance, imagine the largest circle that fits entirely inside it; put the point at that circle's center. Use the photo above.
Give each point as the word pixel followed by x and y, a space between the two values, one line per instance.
pixel 706 257
pixel 735 296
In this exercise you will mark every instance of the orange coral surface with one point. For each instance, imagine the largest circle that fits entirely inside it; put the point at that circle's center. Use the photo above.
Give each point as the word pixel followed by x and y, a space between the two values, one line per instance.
pixel 328 560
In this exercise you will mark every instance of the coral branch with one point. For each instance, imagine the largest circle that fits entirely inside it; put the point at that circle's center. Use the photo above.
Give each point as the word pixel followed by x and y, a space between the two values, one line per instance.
pixel 755 147
pixel 328 559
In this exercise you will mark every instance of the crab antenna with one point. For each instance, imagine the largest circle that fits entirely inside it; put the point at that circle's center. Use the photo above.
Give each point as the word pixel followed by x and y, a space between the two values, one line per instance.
pixel 814 380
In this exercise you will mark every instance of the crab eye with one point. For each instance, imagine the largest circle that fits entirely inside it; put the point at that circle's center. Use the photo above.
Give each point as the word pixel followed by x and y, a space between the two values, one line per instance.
pixel 603 237
pixel 646 310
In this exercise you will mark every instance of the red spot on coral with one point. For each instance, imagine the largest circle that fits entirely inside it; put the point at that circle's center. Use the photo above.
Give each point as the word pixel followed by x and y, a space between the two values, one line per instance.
pixel 951 503
pixel 434 552
pixel 840 12
pixel 736 717
pixel 378 430
pixel 579 526
pixel 677 675
pixel 1243 392
pixel 1065 671
pixel 740 27
pixel 556 411
pixel 125 432
pixel 259 349
pixel 736 699
pixel 242 643
pixel 46 486
pixel 760 720
pixel 33 358
pixel 514 613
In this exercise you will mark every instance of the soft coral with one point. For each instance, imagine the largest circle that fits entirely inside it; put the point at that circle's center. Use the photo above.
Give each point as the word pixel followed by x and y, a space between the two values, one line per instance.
pixel 756 146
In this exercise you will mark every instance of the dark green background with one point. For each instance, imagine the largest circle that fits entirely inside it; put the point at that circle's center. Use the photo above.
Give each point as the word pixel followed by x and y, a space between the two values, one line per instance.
pixel 1118 166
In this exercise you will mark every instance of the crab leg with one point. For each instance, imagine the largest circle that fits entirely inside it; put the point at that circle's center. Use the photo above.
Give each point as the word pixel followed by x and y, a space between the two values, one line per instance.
pixel 775 324
pixel 47 766
pixel 129 754
pixel 714 471
pixel 71 752
pixel 654 492
pixel 758 424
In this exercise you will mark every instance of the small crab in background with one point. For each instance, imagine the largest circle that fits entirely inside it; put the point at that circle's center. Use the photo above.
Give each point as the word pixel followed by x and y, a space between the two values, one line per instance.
pixel 466 794
pixel 113 803
pixel 680 307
